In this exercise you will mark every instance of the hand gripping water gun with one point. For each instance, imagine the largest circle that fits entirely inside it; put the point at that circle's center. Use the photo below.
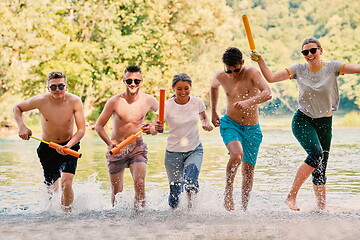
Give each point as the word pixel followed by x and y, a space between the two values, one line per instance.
pixel 249 34
pixel 125 142
pixel 55 145
pixel 162 107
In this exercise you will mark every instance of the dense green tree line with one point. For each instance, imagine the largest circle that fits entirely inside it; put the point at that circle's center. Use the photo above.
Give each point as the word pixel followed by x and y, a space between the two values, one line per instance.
pixel 93 41
pixel 279 27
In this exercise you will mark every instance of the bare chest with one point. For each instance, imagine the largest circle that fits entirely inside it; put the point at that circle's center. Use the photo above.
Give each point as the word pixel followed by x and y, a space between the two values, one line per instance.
pixel 240 90
pixel 130 112
pixel 56 114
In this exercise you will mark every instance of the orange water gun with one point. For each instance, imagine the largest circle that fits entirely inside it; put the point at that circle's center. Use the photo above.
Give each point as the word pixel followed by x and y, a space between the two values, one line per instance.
pixel 162 107
pixel 125 142
pixel 249 35
pixel 55 145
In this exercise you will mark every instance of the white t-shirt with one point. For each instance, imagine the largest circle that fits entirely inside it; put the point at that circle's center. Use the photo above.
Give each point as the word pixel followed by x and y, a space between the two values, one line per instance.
pixel 183 124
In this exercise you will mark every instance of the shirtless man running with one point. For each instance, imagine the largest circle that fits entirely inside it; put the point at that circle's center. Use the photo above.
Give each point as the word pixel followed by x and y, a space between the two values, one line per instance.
pixel 59 110
pixel 128 110
pixel 245 88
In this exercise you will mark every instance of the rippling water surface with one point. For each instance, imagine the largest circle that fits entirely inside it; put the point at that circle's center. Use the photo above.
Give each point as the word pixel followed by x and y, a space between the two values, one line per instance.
pixel 26 213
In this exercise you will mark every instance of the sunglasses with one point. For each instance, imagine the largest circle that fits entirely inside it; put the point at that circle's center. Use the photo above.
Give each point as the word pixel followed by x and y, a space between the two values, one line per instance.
pixel 60 87
pixel 311 50
pixel 230 71
pixel 130 81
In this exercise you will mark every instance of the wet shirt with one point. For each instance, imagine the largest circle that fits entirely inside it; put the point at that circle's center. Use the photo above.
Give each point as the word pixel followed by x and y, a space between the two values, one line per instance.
pixel 318 90
pixel 183 124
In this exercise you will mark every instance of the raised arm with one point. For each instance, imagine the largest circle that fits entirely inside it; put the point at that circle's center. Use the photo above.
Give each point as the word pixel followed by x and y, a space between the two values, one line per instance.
pixel 268 74
pixel 214 97
pixel 351 68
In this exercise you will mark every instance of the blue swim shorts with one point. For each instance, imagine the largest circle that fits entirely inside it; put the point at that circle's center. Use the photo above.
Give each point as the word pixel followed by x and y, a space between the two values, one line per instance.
pixel 249 136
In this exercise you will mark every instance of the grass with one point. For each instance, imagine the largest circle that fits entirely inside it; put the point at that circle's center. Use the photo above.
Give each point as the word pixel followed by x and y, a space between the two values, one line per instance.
pixel 350 119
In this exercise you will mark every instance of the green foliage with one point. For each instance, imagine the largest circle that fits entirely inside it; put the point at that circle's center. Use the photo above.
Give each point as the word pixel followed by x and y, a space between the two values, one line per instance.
pixel 351 119
pixel 93 41
pixel 279 27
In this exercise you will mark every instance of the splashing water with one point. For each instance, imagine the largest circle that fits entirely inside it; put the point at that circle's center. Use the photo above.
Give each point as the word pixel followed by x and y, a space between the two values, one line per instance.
pixel 26 211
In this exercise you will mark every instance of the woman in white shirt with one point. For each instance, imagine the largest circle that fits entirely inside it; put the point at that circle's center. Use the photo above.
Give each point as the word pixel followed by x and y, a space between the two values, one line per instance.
pixel 184 151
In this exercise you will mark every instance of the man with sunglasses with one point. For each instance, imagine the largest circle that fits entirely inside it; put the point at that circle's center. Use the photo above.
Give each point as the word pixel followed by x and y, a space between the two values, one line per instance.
pixel 128 110
pixel 59 111
pixel 312 122
pixel 245 88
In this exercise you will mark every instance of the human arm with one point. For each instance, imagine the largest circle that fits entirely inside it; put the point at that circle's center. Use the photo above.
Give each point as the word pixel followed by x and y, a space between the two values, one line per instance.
pixel 351 69
pixel 258 83
pixel 150 128
pixel 79 121
pixel 101 122
pixel 154 104
pixel 30 104
pixel 205 122
pixel 268 74
pixel 214 97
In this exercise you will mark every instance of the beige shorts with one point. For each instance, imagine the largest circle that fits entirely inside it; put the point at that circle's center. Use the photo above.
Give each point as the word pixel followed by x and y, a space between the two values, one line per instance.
pixel 136 152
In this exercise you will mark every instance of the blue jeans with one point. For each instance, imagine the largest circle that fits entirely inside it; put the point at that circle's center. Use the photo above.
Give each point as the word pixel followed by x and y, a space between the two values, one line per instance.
pixel 183 169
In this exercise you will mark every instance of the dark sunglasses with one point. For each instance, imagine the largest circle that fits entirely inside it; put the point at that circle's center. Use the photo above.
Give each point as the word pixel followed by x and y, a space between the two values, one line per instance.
pixel 230 71
pixel 311 50
pixel 60 87
pixel 130 81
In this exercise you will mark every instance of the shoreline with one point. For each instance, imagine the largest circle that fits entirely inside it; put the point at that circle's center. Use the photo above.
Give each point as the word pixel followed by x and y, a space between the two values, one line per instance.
pixel 183 225
pixel 268 122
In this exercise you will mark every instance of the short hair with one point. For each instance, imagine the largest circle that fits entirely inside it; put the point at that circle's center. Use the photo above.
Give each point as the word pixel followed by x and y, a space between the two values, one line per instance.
pixel 181 77
pixel 311 40
pixel 132 69
pixel 56 75
pixel 232 56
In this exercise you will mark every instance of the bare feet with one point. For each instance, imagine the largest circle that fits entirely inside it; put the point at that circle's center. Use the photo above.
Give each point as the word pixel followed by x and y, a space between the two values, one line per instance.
pixel 139 205
pixel 190 200
pixel 229 201
pixel 320 193
pixel 321 205
pixel 67 209
pixel 292 204
pixel 190 204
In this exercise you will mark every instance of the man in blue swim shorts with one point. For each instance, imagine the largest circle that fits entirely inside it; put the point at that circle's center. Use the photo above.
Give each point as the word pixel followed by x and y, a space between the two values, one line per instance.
pixel 250 137
pixel 245 88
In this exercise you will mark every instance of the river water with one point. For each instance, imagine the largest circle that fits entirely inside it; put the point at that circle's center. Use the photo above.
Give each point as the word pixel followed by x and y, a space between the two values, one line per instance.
pixel 26 212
